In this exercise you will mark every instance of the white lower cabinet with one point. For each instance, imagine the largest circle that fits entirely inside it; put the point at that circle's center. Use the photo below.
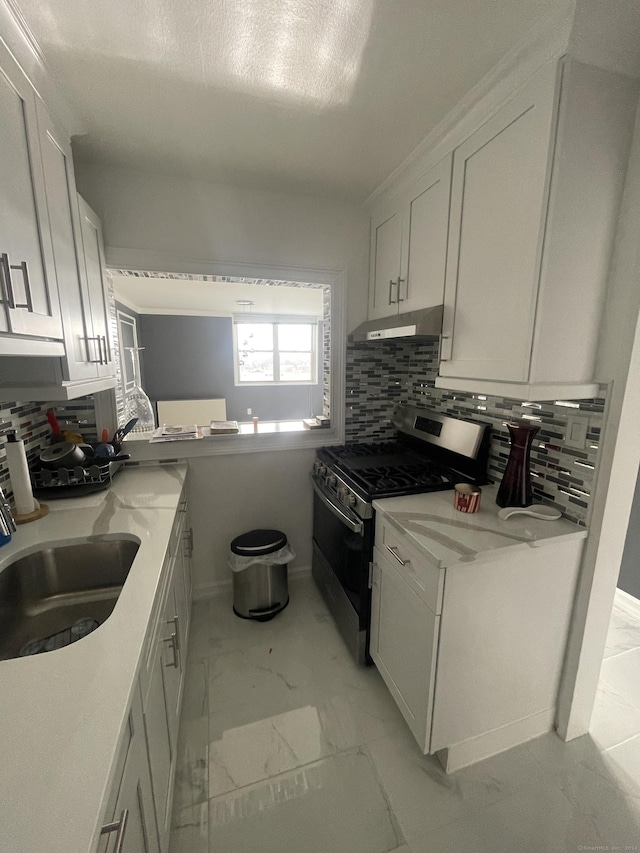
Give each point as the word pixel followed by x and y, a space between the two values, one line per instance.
pixel 161 712
pixel 144 785
pixel 395 651
pixel 131 825
pixel 472 653
pixel 164 694
pixel 130 819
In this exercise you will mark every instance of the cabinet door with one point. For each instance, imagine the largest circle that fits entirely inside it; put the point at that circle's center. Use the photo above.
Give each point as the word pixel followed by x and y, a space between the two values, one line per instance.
pixel 82 348
pixel 386 248
pixel 181 614
pixel 425 248
pixel 187 556
pixel 93 253
pixel 404 636
pixel 162 712
pixel 161 747
pixel 498 207
pixel 27 277
pixel 134 798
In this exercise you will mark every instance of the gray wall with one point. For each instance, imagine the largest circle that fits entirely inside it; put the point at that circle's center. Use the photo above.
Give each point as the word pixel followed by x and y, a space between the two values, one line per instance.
pixel 629 579
pixel 189 358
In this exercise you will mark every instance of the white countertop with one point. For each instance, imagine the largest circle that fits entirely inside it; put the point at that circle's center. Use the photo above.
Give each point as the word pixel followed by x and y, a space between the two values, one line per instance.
pixel 447 537
pixel 62 713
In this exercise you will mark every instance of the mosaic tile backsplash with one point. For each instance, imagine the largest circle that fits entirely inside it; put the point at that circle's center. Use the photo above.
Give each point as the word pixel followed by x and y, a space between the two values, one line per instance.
pixel 30 422
pixel 381 376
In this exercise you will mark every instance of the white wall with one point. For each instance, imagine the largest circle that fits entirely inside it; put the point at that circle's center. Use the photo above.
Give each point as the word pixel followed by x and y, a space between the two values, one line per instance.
pixel 230 495
pixel 619 360
pixel 200 220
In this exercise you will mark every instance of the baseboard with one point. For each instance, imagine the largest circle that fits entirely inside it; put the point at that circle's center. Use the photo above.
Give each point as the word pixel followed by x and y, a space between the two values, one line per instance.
pixel 627 602
pixel 470 751
pixel 211 588
pixel 297 571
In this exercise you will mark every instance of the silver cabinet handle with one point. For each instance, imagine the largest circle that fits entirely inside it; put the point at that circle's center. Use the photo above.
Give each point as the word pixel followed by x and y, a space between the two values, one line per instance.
pixel 400 281
pixel 394 551
pixel 103 338
pixel 5 278
pixel 27 286
pixel 95 360
pixel 174 639
pixel 118 826
pixel 174 647
pixel 188 538
pixel 182 507
pixel 9 298
pixel 176 624
pixel 391 284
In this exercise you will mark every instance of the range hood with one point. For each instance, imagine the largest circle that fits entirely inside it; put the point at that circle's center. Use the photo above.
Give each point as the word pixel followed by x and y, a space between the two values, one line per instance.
pixel 426 323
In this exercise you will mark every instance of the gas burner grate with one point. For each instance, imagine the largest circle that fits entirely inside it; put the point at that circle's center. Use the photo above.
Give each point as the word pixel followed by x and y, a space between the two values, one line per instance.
pixel 358 451
pixel 381 480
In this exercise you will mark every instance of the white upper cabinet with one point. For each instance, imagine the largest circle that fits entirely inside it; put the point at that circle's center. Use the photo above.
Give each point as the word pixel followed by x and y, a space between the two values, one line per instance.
pixel 409 246
pixel 534 201
pixel 53 298
pixel 386 252
pixel 498 196
pixel 82 357
pixel 94 264
pixel 29 305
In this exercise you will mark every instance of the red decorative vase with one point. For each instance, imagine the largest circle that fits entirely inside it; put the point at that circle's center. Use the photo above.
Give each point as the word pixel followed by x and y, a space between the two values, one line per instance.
pixel 515 488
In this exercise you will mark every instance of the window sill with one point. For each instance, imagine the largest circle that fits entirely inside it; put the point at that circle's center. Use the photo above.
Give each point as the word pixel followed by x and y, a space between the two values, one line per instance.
pixel 270 436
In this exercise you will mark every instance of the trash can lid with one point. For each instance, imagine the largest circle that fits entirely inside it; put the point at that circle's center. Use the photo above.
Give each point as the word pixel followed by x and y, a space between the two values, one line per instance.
pixel 257 542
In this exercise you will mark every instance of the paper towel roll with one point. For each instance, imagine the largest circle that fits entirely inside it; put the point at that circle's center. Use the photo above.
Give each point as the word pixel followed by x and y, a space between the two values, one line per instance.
pixel 19 476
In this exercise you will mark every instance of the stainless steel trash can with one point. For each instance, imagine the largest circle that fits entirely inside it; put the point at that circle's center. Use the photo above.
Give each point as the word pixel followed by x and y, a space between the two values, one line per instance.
pixel 260 588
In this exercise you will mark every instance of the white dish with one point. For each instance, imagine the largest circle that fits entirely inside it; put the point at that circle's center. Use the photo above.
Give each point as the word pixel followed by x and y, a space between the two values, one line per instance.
pixel 547 513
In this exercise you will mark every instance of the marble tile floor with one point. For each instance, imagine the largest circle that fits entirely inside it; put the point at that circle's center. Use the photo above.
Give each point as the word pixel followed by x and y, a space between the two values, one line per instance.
pixel 287 746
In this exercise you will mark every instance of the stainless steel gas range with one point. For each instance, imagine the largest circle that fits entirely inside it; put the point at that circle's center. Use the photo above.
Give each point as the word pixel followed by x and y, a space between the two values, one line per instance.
pixel 431 452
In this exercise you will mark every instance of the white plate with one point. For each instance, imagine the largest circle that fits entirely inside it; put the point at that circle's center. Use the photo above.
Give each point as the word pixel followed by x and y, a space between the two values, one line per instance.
pixel 547 513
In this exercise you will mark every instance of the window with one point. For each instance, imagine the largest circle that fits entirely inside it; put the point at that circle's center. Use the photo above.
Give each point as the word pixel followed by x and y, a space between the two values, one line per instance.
pixel 128 338
pixel 275 351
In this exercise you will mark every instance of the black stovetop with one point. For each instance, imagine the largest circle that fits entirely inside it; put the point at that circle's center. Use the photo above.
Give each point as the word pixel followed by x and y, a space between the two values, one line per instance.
pixel 387 469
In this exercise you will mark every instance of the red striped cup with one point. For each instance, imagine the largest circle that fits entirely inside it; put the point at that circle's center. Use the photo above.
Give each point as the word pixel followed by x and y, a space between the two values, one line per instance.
pixel 466 498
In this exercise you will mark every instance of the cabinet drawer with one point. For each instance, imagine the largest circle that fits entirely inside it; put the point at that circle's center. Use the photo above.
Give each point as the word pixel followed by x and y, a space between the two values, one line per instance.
pixel 425 579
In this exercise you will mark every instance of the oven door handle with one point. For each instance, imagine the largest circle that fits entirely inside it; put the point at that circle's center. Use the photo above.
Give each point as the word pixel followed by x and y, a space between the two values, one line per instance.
pixel 354 525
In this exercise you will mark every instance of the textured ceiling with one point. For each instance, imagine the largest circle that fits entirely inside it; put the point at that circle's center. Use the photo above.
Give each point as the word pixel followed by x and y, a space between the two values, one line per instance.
pixel 316 96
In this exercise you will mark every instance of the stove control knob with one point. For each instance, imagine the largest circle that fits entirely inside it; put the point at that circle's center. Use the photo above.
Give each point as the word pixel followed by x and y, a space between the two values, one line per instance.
pixel 350 500
pixel 319 468
pixel 331 480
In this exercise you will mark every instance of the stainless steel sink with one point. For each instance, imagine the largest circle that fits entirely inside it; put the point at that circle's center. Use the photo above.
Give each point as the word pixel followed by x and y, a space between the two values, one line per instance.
pixel 45 594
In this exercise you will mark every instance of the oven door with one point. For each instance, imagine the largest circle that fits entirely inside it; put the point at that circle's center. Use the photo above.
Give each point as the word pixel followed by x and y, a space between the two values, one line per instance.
pixel 342 552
